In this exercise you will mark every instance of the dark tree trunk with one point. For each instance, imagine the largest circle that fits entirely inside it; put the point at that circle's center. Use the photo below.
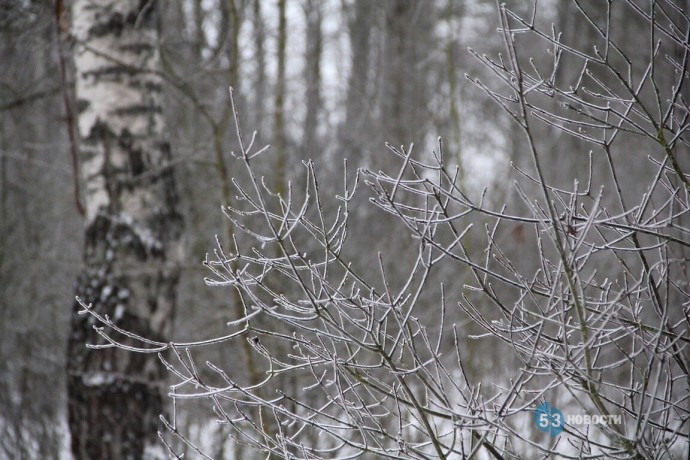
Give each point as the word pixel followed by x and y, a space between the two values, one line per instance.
pixel 358 110
pixel 314 38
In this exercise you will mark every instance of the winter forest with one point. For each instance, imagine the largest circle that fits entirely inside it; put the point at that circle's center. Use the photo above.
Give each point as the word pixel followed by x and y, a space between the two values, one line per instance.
pixel 305 229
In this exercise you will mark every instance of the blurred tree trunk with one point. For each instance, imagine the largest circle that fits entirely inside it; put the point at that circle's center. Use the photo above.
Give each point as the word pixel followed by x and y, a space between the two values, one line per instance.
pixel 404 114
pixel 233 46
pixel 279 101
pixel 132 228
pixel 314 39
pixel 199 42
pixel 259 38
pixel 34 190
pixel 454 13
pixel 357 103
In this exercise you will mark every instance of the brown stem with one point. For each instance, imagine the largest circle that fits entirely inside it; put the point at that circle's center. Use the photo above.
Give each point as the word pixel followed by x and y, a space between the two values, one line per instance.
pixel 62 28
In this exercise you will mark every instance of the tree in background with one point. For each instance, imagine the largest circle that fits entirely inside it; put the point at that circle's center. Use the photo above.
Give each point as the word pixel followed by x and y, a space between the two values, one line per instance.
pixel 132 229
pixel 37 260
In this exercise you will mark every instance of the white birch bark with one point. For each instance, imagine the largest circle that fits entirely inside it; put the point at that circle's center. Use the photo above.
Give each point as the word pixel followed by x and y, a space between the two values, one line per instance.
pixel 131 249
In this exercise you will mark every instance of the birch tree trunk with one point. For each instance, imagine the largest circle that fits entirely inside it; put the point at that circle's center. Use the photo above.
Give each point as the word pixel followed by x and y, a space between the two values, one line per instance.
pixel 131 249
pixel 312 77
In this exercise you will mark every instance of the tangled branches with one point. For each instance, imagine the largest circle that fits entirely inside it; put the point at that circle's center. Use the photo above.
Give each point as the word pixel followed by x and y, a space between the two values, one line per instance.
pixel 583 288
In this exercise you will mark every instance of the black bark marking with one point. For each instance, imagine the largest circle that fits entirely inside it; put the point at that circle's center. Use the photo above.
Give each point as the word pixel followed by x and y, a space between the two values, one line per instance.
pixel 139 109
pixel 137 165
pixel 112 25
pixel 138 48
